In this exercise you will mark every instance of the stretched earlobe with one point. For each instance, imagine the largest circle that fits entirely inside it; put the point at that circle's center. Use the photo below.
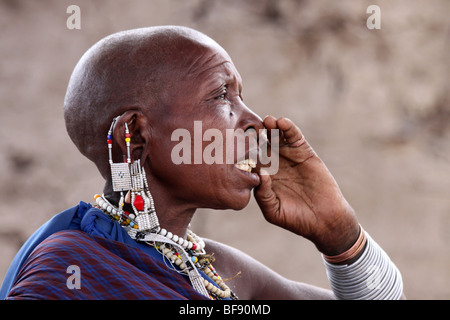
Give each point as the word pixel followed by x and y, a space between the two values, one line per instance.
pixel 130 177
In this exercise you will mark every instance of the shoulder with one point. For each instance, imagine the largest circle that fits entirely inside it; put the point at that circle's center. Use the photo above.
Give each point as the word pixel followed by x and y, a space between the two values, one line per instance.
pixel 65 238
pixel 64 247
pixel 72 264
pixel 59 244
pixel 45 272
pixel 67 256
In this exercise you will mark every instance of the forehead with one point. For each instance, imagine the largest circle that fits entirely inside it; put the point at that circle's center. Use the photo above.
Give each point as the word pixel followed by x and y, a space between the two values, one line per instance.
pixel 219 75
pixel 212 67
pixel 201 80
pixel 208 59
pixel 197 68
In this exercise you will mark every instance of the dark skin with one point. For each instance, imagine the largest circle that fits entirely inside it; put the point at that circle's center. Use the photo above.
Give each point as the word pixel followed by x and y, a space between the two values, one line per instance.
pixel 302 197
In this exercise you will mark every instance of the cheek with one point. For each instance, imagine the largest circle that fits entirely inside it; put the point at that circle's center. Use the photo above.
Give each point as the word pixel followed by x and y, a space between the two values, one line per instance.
pixel 212 186
pixel 203 186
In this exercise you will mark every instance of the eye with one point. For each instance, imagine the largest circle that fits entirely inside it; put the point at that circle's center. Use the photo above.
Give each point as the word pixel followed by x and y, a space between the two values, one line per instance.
pixel 222 96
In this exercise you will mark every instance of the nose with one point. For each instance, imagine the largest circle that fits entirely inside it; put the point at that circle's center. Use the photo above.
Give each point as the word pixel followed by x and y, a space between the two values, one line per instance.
pixel 253 126
pixel 249 119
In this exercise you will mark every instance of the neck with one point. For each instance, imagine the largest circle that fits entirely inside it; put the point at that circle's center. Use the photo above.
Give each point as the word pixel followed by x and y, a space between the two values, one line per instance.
pixel 172 215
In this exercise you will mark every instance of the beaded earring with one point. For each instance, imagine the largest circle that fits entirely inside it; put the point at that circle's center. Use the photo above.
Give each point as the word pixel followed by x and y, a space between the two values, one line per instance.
pixel 120 172
pixel 130 177
pixel 143 225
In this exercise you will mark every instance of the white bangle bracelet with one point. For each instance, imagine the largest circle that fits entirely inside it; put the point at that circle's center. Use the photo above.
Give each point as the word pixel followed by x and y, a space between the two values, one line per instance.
pixel 372 276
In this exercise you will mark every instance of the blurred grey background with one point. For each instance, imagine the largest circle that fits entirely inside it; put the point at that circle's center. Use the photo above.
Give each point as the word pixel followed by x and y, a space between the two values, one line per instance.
pixel 373 103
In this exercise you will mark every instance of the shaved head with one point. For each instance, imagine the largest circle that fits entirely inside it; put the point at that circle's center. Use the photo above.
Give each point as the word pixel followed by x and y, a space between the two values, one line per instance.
pixel 130 70
pixel 159 80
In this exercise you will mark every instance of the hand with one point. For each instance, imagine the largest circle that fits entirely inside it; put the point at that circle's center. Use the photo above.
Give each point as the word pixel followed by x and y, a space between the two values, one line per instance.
pixel 303 196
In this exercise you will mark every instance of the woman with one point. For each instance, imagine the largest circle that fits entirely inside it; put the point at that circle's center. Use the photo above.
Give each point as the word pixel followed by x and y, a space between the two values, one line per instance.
pixel 127 96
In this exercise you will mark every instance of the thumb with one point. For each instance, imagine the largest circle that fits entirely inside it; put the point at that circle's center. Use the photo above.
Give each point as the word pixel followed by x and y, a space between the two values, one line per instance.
pixel 265 196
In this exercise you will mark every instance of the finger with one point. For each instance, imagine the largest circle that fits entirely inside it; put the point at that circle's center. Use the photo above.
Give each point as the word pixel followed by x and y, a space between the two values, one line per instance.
pixel 266 197
pixel 270 122
pixel 291 133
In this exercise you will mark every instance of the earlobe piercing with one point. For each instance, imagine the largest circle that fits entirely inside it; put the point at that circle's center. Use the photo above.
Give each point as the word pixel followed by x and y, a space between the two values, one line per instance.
pixel 130 177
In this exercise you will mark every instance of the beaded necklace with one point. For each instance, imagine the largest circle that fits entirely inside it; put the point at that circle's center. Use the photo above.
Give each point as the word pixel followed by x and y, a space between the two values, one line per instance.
pixel 193 247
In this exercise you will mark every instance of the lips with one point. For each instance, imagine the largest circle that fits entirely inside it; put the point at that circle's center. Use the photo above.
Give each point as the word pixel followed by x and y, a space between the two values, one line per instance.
pixel 245 168
pixel 247 165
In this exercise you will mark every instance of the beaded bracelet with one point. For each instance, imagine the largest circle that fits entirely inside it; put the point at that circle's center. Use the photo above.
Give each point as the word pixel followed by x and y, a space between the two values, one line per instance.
pixel 357 247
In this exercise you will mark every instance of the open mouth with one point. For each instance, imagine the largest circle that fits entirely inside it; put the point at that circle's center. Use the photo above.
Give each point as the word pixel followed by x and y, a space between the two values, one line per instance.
pixel 246 165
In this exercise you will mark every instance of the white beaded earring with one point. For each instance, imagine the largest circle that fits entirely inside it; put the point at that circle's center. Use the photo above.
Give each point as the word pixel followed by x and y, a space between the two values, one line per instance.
pixel 130 176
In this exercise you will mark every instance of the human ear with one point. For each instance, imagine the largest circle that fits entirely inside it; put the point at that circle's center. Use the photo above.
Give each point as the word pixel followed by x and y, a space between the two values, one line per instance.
pixel 138 135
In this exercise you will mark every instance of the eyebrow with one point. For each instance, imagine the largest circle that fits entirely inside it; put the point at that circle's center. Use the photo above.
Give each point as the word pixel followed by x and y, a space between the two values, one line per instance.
pixel 217 86
pixel 218 89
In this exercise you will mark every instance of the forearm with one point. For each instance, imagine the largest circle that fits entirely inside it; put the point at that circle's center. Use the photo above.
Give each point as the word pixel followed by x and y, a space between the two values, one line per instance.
pixel 371 276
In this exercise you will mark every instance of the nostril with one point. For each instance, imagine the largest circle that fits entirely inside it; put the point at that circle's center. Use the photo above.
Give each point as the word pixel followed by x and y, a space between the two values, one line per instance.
pixel 250 130
pixel 251 133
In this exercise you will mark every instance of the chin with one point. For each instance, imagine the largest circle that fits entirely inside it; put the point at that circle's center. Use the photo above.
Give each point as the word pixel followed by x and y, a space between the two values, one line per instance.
pixel 239 201
pixel 236 201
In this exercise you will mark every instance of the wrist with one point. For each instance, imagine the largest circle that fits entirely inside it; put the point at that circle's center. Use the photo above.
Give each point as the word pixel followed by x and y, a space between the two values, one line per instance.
pixel 339 238
pixel 372 276
pixel 352 253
